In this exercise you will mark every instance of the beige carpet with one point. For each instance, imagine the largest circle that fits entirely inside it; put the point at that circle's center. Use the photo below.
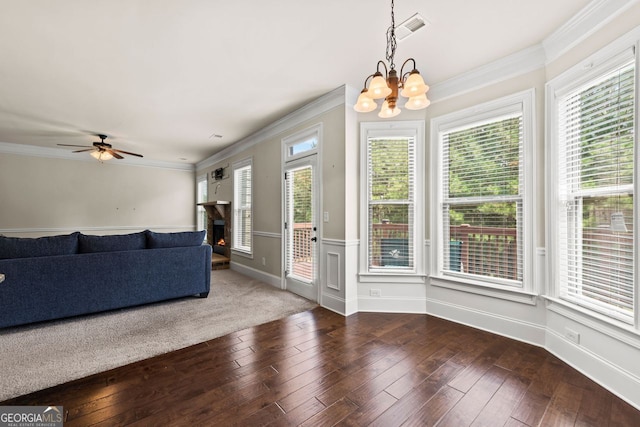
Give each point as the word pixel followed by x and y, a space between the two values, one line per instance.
pixel 43 355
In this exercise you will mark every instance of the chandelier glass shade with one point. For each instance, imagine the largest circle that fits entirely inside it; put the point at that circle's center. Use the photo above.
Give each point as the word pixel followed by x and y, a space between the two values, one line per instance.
pixel 101 155
pixel 390 85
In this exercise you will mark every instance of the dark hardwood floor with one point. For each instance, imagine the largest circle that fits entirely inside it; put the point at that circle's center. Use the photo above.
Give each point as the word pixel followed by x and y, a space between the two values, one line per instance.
pixel 319 368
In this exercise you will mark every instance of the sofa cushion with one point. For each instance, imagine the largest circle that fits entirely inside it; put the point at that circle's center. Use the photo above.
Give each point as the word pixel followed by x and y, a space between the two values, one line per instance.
pixel 174 240
pixel 20 247
pixel 112 243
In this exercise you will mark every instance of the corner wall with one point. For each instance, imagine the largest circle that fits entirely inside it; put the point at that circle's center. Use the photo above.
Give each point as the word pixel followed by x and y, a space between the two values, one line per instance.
pixel 605 352
pixel 265 150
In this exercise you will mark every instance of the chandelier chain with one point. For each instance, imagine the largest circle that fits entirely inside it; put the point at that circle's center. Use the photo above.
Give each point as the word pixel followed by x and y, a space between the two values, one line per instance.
pixel 391 39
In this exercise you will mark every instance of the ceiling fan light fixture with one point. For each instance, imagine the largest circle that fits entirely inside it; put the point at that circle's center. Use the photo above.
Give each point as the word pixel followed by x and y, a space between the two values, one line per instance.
pixel 101 150
pixel 101 155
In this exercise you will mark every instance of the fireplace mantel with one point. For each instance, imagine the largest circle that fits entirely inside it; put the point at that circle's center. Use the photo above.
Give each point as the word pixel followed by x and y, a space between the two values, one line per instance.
pixel 219 206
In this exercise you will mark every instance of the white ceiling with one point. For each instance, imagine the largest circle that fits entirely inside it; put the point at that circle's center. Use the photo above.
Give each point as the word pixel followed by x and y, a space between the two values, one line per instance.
pixel 161 76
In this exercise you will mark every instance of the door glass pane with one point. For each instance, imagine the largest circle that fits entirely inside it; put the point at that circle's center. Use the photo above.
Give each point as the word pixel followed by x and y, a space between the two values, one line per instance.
pixel 300 254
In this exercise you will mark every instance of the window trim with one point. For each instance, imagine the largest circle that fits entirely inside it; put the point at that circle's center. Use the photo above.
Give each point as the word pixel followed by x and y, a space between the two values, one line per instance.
pixel 199 209
pixel 573 78
pixel 524 102
pixel 415 129
pixel 241 250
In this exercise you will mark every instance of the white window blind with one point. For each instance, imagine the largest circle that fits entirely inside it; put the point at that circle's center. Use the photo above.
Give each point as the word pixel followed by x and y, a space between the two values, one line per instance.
pixel 596 189
pixel 242 229
pixel 482 200
pixel 391 203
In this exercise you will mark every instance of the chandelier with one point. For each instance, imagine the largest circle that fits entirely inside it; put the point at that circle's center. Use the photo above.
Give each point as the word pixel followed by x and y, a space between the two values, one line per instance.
pixel 411 84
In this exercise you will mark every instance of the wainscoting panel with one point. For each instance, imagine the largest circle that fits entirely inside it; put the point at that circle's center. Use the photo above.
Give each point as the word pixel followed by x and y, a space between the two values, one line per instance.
pixel 333 271
pixel 339 283
pixel 332 295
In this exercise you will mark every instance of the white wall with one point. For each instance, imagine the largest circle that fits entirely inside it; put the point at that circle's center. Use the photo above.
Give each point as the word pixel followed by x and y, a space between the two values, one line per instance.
pixel 46 196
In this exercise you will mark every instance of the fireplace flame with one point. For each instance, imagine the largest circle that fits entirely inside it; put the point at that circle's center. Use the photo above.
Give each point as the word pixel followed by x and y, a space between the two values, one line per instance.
pixel 221 242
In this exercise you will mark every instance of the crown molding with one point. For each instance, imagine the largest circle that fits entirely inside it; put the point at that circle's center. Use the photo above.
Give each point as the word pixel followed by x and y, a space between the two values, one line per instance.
pixel 326 102
pixel 510 66
pixel 58 153
pixel 585 23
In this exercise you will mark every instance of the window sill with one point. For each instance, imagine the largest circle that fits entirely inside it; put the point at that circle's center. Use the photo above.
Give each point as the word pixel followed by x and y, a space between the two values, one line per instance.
pixel 242 253
pixel 614 328
pixel 393 277
pixel 480 288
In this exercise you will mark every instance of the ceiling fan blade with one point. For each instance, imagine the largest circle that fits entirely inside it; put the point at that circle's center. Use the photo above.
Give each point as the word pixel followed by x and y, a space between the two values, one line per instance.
pixel 82 151
pixel 72 145
pixel 127 152
pixel 114 154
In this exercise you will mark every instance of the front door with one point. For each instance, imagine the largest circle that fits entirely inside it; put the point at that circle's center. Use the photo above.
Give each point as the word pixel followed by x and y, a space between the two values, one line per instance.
pixel 301 227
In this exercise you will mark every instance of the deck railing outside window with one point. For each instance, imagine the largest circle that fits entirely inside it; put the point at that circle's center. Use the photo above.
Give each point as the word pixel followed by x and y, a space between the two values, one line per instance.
pixel 485 251
pixel 473 249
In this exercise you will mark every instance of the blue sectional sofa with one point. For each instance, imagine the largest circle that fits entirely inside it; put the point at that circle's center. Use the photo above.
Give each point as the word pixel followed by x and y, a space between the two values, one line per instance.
pixel 62 276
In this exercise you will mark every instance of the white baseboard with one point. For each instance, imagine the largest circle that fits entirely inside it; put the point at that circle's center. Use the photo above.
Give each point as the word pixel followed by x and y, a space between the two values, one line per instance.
pixel 270 279
pixel 392 305
pixel 338 304
pixel 333 303
pixel 506 326
pixel 623 384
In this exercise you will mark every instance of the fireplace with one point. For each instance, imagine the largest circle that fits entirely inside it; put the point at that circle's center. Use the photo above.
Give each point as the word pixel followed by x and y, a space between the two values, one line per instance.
pixel 218 242
pixel 219 229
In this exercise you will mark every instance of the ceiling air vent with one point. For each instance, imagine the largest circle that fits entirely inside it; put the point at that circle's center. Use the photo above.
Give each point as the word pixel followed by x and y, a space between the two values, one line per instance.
pixel 410 26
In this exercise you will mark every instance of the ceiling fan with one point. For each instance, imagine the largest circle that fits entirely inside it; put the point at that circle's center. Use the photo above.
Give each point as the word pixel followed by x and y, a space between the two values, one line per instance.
pixel 101 150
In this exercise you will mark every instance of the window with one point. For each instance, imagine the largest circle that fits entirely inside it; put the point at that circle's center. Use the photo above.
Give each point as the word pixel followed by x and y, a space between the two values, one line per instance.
pixel 201 197
pixel 302 144
pixel 593 207
pixel 295 150
pixel 242 226
pixel 392 197
pixel 482 234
